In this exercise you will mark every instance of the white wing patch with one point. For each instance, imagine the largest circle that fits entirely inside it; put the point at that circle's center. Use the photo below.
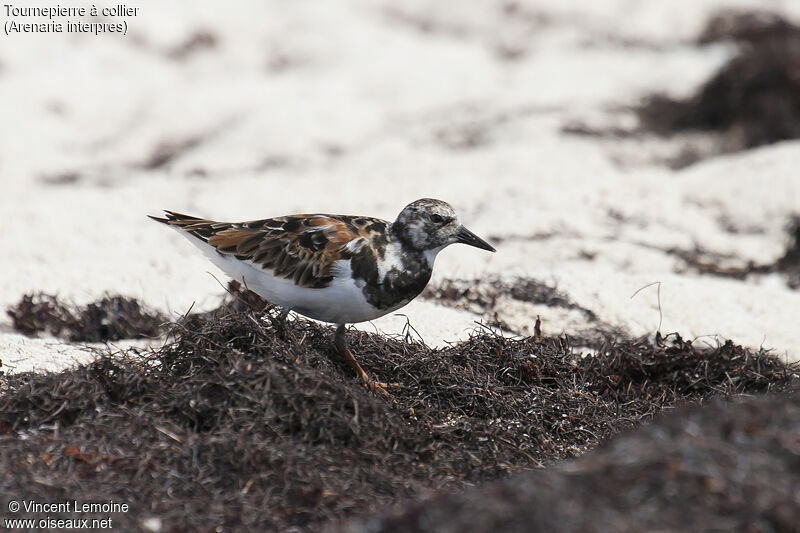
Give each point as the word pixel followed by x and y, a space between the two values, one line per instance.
pixel 355 245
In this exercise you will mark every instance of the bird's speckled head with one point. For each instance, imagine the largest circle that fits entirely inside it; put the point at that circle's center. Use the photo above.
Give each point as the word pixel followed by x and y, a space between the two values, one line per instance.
pixel 430 224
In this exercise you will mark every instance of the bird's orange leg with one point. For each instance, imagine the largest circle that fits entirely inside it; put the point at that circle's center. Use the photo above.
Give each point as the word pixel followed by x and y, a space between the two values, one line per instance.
pixel 369 383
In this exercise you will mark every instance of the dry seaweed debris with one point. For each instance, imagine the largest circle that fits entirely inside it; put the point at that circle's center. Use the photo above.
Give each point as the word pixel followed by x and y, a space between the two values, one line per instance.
pixel 110 319
pixel 247 420
pixel 789 262
pixel 711 263
pixel 754 99
pixel 481 296
pixel 731 466
pixel 487 296
pixel 749 26
pixel 200 39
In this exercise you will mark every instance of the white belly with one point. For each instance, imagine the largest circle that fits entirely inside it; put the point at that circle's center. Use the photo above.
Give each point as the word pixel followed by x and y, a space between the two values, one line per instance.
pixel 342 302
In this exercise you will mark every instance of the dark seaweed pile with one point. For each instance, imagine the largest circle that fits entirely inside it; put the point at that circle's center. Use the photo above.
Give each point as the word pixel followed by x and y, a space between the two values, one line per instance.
pixel 706 262
pixel 732 466
pixel 754 99
pixel 789 262
pixel 245 420
pixel 482 296
pixel 110 319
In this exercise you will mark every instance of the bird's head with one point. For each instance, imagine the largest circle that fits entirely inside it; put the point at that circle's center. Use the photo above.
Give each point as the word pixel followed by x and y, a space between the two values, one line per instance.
pixel 429 225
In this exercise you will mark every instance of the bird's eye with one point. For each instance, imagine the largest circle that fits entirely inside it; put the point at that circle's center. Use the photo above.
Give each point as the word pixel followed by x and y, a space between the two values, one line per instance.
pixel 437 218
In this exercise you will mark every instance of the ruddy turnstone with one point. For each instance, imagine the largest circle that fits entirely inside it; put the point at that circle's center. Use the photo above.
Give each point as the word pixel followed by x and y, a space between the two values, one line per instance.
pixel 334 268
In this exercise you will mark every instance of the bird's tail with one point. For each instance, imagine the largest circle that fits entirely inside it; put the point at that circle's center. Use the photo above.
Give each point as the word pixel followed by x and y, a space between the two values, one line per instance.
pixel 201 228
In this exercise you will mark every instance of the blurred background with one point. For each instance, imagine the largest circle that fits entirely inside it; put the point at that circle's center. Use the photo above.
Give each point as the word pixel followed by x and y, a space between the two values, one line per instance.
pixel 601 146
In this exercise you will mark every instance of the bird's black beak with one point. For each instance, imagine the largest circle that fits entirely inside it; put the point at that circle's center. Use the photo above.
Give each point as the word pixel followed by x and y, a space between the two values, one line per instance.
pixel 467 237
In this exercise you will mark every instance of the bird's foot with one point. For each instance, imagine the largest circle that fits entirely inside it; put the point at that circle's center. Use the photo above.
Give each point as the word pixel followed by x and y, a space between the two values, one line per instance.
pixel 370 384
pixel 377 386
pixel 380 387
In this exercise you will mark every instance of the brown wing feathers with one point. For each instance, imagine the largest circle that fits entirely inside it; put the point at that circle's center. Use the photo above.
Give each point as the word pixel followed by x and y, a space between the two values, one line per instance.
pixel 302 248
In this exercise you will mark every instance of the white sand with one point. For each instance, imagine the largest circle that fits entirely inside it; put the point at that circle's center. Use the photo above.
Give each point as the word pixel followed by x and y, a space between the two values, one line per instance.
pixel 361 107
